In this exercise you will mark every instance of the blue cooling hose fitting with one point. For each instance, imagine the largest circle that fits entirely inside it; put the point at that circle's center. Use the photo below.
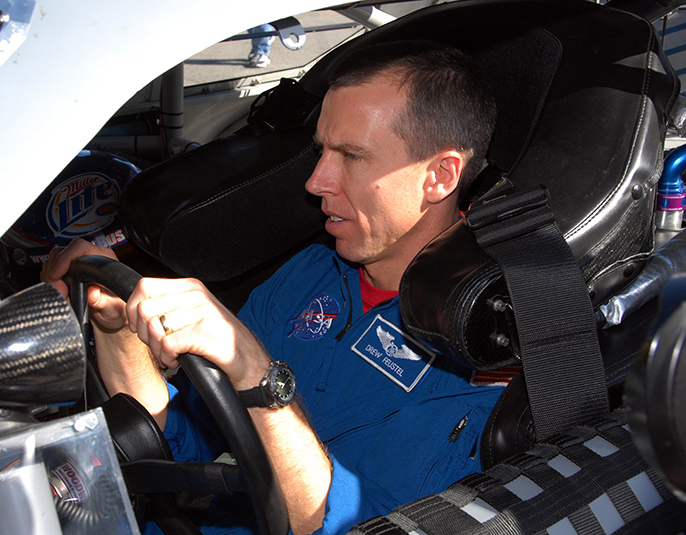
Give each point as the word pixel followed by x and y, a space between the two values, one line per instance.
pixel 671 192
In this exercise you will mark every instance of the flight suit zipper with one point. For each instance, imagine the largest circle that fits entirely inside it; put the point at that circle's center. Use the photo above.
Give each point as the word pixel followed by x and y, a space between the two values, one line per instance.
pixel 349 322
pixel 326 367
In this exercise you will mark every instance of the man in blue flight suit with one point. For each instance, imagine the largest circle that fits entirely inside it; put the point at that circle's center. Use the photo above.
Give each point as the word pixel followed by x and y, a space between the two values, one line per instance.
pixel 380 420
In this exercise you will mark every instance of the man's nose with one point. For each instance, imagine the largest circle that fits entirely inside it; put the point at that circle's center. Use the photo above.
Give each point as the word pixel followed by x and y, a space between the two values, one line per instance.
pixel 323 178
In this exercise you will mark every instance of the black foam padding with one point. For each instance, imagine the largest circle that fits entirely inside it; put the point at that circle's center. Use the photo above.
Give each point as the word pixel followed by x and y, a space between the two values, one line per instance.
pixel 227 206
pixel 135 433
pixel 243 229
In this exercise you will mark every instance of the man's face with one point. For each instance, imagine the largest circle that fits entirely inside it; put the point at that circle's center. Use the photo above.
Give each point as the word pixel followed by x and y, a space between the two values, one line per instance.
pixel 371 192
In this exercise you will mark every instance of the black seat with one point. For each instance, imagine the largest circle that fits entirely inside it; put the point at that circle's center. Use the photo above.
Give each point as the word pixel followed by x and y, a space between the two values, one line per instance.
pixel 583 92
pixel 594 140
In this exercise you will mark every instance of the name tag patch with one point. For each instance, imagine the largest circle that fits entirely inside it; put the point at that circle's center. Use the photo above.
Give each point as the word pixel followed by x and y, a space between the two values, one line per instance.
pixel 395 354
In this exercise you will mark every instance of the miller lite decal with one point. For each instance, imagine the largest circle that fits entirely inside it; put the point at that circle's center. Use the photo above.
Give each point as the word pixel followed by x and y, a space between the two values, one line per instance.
pixel 82 205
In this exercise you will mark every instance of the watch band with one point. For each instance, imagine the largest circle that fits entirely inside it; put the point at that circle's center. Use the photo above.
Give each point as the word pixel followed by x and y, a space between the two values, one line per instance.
pixel 256 397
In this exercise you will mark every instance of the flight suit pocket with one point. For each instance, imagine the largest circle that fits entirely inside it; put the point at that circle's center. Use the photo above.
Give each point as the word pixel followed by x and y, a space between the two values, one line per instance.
pixel 459 455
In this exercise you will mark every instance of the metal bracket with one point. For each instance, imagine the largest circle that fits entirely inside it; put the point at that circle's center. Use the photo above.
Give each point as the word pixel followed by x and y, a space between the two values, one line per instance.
pixel 290 32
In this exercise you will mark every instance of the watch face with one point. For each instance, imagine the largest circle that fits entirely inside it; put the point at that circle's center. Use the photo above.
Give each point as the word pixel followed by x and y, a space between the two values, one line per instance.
pixel 284 386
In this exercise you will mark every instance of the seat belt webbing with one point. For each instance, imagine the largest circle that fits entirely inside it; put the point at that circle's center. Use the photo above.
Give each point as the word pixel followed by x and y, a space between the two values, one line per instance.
pixel 558 339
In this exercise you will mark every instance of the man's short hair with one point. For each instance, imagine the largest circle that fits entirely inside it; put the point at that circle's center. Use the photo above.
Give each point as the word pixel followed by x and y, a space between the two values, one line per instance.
pixel 450 105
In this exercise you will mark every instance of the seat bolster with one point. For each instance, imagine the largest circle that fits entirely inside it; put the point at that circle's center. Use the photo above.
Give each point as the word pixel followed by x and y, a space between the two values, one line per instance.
pixel 134 432
pixel 509 430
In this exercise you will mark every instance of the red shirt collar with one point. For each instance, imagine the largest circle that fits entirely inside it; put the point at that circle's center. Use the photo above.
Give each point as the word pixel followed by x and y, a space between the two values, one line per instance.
pixel 372 296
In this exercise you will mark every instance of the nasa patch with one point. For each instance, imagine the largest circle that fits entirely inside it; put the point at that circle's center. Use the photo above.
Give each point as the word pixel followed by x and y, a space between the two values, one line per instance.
pixel 316 318
pixel 395 354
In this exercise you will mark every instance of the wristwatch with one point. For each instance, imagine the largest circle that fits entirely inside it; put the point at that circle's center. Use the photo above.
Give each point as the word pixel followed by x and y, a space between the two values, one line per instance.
pixel 276 390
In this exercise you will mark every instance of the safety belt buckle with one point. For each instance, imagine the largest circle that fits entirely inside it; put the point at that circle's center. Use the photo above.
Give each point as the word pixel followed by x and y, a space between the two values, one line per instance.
pixel 495 210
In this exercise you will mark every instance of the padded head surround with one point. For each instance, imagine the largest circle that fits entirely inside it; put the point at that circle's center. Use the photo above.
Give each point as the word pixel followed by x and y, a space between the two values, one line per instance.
pixel 595 143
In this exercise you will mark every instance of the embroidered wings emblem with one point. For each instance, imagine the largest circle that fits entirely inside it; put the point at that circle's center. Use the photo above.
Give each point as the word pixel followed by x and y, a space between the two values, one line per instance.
pixel 387 341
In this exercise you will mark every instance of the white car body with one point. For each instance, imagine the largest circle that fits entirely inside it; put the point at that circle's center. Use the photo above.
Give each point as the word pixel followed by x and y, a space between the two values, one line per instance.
pixel 57 90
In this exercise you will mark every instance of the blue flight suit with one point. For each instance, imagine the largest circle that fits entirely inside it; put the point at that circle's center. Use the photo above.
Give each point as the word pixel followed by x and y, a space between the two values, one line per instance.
pixel 398 422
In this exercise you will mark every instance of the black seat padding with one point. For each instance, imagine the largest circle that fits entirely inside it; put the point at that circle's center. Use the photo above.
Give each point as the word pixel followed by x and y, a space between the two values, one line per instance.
pixel 510 428
pixel 227 206
pixel 596 146
pixel 135 434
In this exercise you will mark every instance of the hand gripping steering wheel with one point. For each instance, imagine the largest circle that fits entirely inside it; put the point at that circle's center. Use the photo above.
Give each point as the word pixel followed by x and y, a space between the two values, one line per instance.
pixel 216 390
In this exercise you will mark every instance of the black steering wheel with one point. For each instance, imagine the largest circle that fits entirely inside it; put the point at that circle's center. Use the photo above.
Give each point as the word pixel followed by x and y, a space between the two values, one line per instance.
pixel 216 390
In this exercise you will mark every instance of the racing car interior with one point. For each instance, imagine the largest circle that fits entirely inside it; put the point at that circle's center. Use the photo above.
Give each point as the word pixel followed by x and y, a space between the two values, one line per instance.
pixel 561 266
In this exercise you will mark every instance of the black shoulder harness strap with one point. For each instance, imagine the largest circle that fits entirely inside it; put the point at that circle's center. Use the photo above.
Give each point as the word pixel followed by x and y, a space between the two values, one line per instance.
pixel 558 338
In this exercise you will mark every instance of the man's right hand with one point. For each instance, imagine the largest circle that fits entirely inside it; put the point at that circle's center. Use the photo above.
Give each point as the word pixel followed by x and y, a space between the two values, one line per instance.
pixel 107 311
pixel 124 362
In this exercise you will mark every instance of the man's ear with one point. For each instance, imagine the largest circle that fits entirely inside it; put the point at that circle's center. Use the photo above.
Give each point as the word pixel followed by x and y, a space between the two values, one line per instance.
pixel 444 175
